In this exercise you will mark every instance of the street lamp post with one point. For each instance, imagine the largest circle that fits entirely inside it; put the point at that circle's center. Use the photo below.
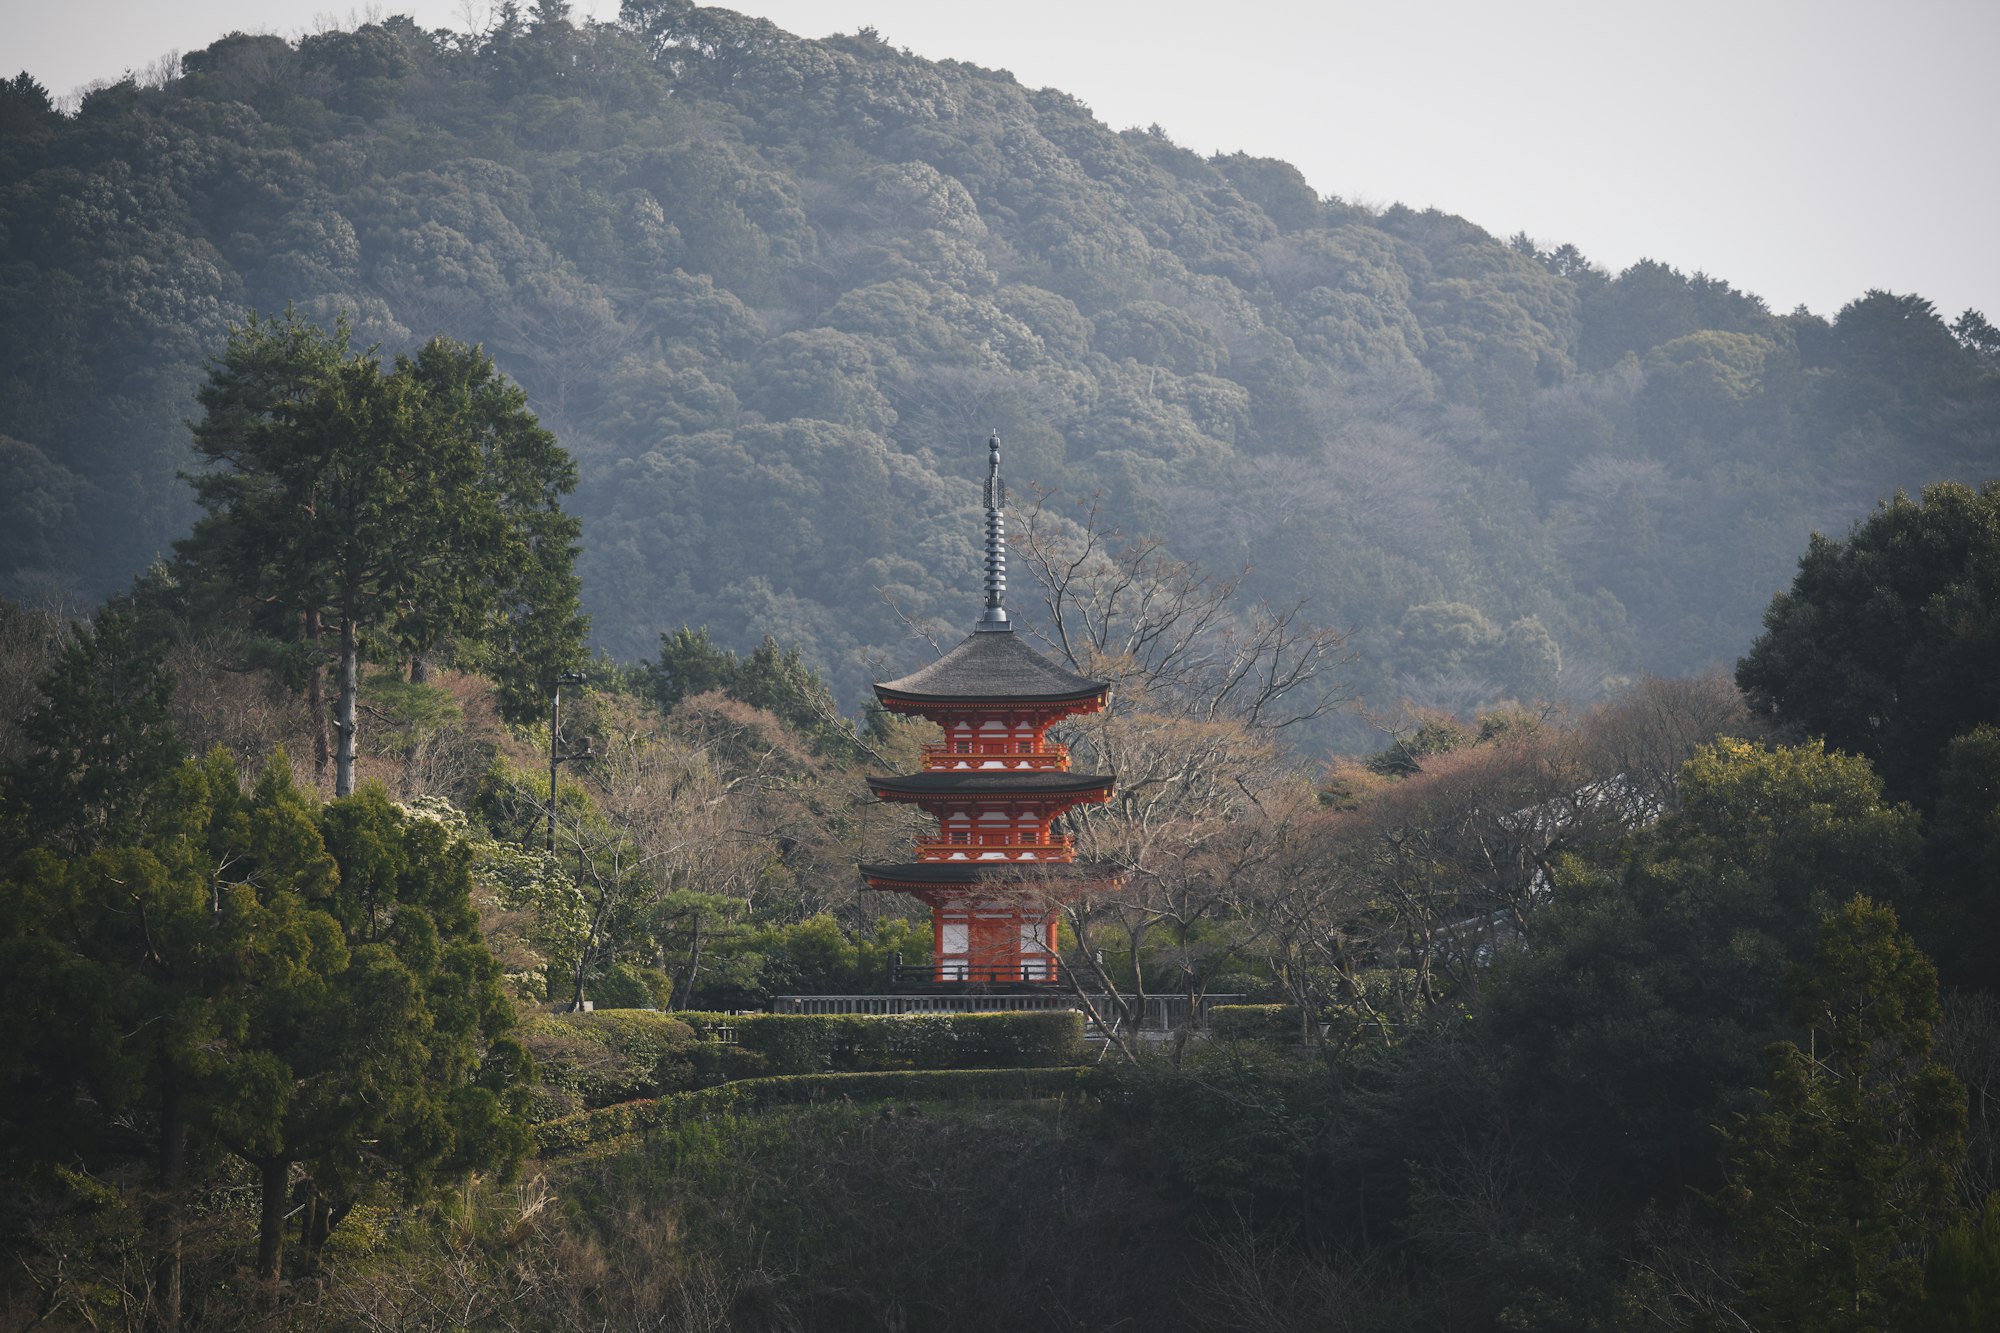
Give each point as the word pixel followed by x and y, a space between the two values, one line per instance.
pixel 555 735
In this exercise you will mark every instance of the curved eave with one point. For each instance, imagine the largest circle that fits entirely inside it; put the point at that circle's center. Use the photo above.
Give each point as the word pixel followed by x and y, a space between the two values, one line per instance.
pixel 1019 783
pixel 991 667
pixel 917 875
pixel 906 699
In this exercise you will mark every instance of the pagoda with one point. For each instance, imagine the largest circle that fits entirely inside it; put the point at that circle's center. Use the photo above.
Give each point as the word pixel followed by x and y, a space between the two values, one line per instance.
pixel 995 872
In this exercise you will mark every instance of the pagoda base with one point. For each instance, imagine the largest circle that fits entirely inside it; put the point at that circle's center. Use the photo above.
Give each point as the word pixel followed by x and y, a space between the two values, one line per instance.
pixel 922 979
pixel 993 922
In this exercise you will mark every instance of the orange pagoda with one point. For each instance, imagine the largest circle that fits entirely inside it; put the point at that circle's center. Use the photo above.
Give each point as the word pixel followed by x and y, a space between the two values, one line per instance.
pixel 995 871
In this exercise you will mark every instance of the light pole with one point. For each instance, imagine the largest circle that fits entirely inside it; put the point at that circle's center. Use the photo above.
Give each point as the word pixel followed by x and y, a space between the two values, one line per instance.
pixel 555 734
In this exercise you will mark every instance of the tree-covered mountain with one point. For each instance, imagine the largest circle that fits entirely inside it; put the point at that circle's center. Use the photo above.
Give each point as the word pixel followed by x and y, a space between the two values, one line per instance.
pixel 772 294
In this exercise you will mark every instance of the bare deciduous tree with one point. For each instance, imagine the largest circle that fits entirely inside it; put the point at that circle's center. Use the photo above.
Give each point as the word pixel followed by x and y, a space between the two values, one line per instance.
pixel 1173 638
pixel 1206 800
pixel 1408 890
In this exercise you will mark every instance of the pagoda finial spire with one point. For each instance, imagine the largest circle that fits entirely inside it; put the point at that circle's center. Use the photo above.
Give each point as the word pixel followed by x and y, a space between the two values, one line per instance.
pixel 995 617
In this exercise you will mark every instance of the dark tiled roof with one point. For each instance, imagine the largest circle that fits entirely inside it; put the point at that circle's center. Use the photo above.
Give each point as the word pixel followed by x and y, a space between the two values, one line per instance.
pixel 972 872
pixel 993 782
pixel 990 665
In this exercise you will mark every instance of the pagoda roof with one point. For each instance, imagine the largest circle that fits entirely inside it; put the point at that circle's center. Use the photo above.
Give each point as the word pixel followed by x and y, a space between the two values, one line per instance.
pixel 993 665
pixel 993 782
pixel 953 874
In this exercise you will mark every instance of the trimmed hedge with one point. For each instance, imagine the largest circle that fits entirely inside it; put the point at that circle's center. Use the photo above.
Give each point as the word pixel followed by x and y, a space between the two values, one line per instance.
pixel 821 1043
pixel 1267 1022
pixel 611 1056
pixel 556 1137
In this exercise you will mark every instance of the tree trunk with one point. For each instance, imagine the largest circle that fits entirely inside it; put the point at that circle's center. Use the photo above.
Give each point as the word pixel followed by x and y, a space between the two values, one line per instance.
pixel 275 1180
pixel 693 965
pixel 582 970
pixel 592 937
pixel 167 1208
pixel 316 698
pixel 322 1216
pixel 350 687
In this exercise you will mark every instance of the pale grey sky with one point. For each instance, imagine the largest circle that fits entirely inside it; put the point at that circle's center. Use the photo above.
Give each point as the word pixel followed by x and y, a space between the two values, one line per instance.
pixel 1806 150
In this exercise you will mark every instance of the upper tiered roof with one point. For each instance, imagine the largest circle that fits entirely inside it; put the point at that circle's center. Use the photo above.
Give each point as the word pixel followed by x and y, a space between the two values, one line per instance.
pixel 992 666
pixel 957 874
pixel 992 663
pixel 1002 782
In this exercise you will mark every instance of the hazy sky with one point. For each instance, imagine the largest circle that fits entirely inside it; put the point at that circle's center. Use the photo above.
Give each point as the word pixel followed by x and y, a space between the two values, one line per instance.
pixel 1806 150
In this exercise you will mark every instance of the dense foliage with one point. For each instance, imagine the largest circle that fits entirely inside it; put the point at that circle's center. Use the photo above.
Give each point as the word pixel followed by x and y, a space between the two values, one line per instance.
pixel 772 292
pixel 402 510
pixel 1886 642
pixel 246 974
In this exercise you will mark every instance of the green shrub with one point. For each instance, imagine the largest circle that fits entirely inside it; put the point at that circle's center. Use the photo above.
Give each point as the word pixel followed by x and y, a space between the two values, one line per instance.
pixel 821 1043
pixel 547 1102
pixel 623 986
pixel 612 1056
pixel 570 1133
pixel 616 987
pixel 1268 1022
pixel 1249 987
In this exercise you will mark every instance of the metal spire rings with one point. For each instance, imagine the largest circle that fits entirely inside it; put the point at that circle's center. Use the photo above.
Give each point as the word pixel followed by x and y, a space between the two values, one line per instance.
pixel 995 617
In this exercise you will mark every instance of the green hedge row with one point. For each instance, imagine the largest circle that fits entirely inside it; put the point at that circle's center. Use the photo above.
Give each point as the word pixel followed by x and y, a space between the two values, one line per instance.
pixel 556 1137
pixel 1268 1021
pixel 819 1043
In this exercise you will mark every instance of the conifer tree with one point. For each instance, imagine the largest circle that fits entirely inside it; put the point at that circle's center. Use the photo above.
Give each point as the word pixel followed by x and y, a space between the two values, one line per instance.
pixel 398 509
pixel 101 740
pixel 1835 1184
pixel 300 986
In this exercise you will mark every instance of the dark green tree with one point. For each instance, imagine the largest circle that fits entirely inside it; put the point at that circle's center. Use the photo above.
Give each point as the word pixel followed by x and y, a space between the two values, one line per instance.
pixel 379 1056
pixel 1896 354
pixel 398 509
pixel 1962 1279
pixel 1957 913
pixel 689 663
pixel 101 742
pixel 1634 1015
pixel 1976 333
pixel 1885 643
pixel 773 678
pixel 1838 1182
pixel 25 106
pixel 251 972
pixel 503 587
pixel 127 970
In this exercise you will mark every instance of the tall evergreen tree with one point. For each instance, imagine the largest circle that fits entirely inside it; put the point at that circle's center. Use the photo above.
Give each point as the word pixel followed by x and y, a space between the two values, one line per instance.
pixel 101 740
pixel 1838 1181
pixel 302 986
pixel 398 509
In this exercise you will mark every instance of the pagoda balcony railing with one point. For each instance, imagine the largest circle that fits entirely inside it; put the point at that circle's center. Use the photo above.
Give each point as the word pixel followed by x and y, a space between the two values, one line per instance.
pixel 946 758
pixel 1059 848
pixel 1044 970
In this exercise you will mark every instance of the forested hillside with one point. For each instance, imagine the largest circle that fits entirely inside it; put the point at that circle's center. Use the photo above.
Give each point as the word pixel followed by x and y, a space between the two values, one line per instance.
pixel 772 294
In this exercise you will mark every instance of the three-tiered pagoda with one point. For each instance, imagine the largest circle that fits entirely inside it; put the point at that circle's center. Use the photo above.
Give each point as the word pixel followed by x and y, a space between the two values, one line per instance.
pixel 994 873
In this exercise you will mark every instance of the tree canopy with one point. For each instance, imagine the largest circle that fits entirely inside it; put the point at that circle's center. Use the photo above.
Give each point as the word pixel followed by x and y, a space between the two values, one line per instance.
pixel 1886 642
pixel 391 511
